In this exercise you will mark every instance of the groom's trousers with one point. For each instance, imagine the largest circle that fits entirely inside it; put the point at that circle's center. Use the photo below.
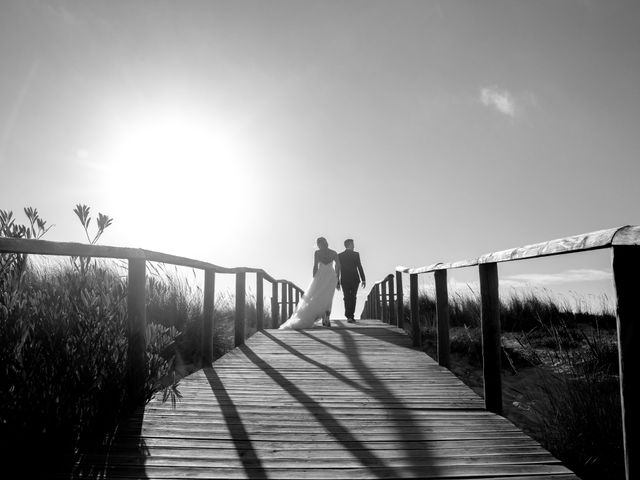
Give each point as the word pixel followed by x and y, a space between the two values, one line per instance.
pixel 350 290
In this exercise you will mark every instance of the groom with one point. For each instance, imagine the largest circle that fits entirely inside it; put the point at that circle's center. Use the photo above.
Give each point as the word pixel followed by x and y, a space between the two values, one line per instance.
pixel 351 274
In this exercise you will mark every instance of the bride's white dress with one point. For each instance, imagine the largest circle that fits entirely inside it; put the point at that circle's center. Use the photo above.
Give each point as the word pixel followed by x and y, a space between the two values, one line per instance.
pixel 317 299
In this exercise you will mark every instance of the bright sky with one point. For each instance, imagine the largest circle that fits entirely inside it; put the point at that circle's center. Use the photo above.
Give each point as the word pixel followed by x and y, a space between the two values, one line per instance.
pixel 239 131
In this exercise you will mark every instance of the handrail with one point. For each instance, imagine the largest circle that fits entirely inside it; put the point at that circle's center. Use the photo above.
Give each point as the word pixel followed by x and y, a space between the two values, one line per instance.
pixel 625 245
pixel 627 235
pixel 136 297
pixel 46 247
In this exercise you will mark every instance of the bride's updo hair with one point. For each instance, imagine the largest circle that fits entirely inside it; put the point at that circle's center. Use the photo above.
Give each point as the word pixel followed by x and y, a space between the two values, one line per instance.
pixel 322 242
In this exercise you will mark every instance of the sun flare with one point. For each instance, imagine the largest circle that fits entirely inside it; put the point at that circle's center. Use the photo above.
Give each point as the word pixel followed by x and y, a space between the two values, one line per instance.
pixel 180 164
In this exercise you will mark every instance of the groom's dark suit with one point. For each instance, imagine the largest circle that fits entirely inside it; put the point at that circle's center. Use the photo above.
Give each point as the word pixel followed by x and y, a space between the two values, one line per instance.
pixel 351 274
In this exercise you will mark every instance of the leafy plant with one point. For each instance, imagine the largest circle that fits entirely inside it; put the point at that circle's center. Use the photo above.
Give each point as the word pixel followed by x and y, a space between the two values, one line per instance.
pixel 82 264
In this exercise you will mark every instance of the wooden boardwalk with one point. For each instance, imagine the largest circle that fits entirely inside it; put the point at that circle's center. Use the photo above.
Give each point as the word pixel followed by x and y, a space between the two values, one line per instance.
pixel 347 402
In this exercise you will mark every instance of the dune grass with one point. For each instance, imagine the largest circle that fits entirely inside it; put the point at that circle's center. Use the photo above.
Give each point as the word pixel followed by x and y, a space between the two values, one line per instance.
pixel 560 373
pixel 63 354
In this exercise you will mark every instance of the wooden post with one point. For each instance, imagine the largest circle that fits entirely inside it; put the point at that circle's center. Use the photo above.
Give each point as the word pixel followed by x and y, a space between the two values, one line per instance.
pixel 275 323
pixel 136 326
pixel 415 314
pixel 442 317
pixel 385 302
pixel 259 301
pixel 290 297
pixel 400 300
pixel 393 318
pixel 297 296
pixel 377 302
pixel 207 316
pixel 490 325
pixel 626 275
pixel 283 304
pixel 241 280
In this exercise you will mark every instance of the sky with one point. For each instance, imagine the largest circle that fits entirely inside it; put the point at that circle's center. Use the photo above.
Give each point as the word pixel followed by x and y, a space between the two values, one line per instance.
pixel 237 132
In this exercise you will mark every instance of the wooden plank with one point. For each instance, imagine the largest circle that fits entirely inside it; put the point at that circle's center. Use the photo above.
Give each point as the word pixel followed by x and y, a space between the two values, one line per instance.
pixel 284 312
pixel 355 401
pixel 393 318
pixel 46 247
pixel 442 317
pixel 240 312
pixel 627 235
pixel 415 310
pixel 208 315
pixel 136 325
pixel 626 274
pixel 385 302
pixel 290 297
pixel 400 300
pixel 275 314
pixel 259 301
pixel 490 325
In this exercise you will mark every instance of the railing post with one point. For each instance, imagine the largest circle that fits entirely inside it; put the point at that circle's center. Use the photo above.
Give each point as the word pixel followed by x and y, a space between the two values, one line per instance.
pixel 283 304
pixel 442 317
pixel 297 296
pixel 376 300
pixel 400 300
pixel 275 314
pixel 392 303
pixel 241 280
pixel 385 302
pixel 490 325
pixel 259 301
pixel 136 326
pixel 415 314
pixel 626 275
pixel 290 297
pixel 207 316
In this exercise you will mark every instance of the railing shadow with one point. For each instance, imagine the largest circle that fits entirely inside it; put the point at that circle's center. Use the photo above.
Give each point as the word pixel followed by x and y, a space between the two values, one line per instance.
pixel 403 418
pixel 241 439
pixel 358 449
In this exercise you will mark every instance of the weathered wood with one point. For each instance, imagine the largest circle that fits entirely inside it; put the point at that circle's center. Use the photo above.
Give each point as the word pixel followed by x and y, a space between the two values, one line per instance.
pixel 393 314
pixel 442 317
pixel 290 297
pixel 377 304
pixel 46 247
pixel 626 275
pixel 385 302
pixel 415 310
pixel 241 302
pixel 283 304
pixel 369 404
pixel 208 316
pixel 136 325
pixel 275 314
pixel 400 300
pixel 490 325
pixel 627 235
pixel 259 301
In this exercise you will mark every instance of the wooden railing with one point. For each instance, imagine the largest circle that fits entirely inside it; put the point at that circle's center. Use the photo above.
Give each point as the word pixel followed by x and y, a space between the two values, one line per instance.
pixel 136 295
pixel 624 242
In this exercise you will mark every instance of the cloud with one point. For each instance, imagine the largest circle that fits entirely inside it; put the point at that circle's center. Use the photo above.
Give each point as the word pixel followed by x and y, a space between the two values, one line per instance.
pixel 501 100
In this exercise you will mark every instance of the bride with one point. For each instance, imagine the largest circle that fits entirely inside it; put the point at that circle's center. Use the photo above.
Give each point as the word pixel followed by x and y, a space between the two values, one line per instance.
pixel 317 299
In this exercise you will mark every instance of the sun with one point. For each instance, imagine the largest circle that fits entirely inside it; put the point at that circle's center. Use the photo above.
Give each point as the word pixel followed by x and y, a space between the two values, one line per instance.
pixel 180 163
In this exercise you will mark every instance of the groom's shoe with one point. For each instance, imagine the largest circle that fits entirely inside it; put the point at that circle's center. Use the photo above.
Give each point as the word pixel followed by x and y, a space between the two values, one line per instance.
pixel 351 320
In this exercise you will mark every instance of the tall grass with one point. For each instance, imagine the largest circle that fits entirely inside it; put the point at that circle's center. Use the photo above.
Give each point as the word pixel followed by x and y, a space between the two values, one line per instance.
pixel 564 361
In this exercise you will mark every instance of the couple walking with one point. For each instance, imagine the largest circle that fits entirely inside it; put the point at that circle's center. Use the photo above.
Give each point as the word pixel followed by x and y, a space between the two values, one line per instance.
pixel 331 271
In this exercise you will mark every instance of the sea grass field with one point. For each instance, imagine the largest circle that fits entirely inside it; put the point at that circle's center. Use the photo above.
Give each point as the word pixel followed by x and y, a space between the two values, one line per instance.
pixel 560 378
